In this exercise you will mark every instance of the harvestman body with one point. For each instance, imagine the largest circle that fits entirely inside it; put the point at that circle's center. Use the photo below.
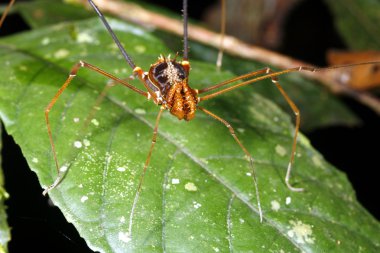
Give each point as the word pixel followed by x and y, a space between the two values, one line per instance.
pixel 166 84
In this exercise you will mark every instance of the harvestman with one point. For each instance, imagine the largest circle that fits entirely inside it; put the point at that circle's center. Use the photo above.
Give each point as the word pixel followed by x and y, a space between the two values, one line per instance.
pixel 166 84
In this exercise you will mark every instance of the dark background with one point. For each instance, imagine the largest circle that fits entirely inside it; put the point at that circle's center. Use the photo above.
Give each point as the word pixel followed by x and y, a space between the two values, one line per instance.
pixel 34 220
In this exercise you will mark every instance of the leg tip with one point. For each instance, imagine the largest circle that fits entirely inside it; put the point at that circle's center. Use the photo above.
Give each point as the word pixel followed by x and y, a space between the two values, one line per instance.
pixel 45 192
pixel 294 189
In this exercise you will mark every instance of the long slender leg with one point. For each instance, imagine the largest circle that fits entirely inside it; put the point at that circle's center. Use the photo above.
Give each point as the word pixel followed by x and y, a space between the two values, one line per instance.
pixel 245 76
pixel 232 132
pixel 245 83
pixel 296 112
pixel 6 11
pixel 85 125
pixel 270 74
pixel 274 76
pixel 185 55
pixel 72 74
pixel 113 35
pixel 147 161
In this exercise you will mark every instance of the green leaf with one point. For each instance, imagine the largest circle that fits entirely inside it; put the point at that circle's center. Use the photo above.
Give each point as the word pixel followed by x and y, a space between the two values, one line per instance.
pixel 41 13
pixel 357 22
pixel 4 229
pixel 197 195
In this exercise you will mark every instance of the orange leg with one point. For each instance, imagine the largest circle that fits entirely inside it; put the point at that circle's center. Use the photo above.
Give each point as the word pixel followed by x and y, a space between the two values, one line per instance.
pixel 232 80
pixel 296 112
pixel 6 11
pixel 147 161
pixel 268 73
pixel 72 74
pixel 273 75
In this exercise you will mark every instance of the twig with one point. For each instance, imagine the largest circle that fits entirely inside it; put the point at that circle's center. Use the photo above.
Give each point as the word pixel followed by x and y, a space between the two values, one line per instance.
pixel 136 14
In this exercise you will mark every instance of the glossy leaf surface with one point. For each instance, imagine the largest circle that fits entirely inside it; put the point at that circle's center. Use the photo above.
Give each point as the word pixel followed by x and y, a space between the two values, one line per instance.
pixel 198 194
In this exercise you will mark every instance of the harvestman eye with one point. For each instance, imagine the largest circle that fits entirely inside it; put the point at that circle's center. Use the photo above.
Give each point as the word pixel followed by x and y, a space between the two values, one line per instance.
pixel 166 84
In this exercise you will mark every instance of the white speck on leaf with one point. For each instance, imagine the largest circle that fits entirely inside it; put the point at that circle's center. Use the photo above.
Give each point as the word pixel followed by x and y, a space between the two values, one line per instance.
pixel 35 160
pixel 140 111
pixel 203 160
pixel 240 130
pixel 86 142
pixel 215 249
pixel 175 181
pixel 95 122
pixel 121 169
pixel 196 205
pixel 61 53
pixel 45 41
pixel 63 168
pixel 84 37
pixel 317 161
pixel 140 49
pixel 288 200
pixel 83 199
pixel 76 120
pixel 302 233
pixel 191 187
pixel 77 144
pixel 280 150
pixel 275 205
